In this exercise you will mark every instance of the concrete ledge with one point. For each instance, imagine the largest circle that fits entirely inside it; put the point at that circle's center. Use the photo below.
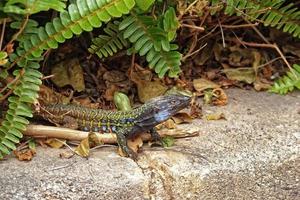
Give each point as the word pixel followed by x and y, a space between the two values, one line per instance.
pixel 254 154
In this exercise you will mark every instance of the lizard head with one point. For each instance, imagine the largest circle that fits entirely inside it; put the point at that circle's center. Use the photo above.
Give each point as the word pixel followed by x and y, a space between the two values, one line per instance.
pixel 165 107
pixel 161 108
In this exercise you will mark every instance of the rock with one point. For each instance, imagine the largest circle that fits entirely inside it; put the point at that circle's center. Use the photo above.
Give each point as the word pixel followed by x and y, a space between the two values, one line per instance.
pixel 253 154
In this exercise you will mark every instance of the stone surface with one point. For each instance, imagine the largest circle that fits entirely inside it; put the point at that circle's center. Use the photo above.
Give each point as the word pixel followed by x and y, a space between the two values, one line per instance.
pixel 253 154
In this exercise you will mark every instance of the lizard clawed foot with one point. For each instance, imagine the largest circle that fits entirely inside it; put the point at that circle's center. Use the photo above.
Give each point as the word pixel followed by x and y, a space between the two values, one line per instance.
pixel 129 152
pixel 122 142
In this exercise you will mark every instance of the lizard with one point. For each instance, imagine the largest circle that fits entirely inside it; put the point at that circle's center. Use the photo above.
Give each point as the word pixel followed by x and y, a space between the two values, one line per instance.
pixel 125 124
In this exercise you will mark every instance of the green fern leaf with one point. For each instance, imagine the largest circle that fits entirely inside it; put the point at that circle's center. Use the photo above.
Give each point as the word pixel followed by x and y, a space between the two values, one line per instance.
pixel 107 45
pixel 144 4
pixel 288 82
pixel 142 30
pixel 84 15
pixel 32 6
pixel 150 40
pixel 15 120
pixel 276 13
pixel 163 61
pixel 170 23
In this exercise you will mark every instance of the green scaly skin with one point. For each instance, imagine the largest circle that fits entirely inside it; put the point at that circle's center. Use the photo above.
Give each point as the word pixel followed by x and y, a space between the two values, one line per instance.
pixel 126 124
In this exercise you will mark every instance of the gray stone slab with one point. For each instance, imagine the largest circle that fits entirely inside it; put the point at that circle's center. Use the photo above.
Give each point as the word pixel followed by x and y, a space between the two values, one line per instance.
pixel 253 154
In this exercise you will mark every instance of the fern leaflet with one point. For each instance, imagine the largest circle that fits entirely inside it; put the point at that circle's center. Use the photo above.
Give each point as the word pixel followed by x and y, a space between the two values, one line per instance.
pixel 107 45
pixel 274 13
pixel 288 82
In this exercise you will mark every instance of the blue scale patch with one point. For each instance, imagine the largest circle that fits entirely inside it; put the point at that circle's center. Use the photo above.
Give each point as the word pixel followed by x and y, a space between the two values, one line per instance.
pixel 104 128
pixel 96 129
pixel 86 128
pixel 162 116
pixel 123 121
pixel 130 120
pixel 113 128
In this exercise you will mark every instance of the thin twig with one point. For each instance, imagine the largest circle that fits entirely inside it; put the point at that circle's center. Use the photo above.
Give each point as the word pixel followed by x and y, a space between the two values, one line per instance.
pixel 204 18
pixel 60 167
pixel 14 81
pixel 240 26
pixel 47 77
pixel 222 33
pixel 193 53
pixel 2 33
pixel 15 36
pixel 273 46
pixel 193 45
pixel 257 31
pixel 193 27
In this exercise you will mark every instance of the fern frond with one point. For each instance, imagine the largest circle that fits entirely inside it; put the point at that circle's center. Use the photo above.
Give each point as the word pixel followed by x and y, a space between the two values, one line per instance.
pixel 33 6
pixel 288 82
pixel 165 61
pixel 15 120
pixel 151 41
pixel 84 15
pixel 144 34
pixel 107 45
pixel 30 29
pixel 273 13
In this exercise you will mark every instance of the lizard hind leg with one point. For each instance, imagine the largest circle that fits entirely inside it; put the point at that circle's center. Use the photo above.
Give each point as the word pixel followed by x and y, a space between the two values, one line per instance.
pixel 122 142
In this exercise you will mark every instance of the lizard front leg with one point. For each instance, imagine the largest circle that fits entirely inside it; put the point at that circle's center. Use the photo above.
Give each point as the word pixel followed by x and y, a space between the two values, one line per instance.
pixel 155 136
pixel 122 142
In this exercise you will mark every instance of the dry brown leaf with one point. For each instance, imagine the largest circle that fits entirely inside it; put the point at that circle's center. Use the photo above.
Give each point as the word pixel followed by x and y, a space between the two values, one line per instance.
pixel 55 143
pixel 41 142
pixel 147 89
pixel 170 124
pixel 10 48
pixel 240 57
pixel 292 49
pixel 215 116
pixel 94 139
pixel 244 74
pixel 256 61
pixel 114 76
pixel 135 144
pixel 217 49
pixel 150 89
pixel 48 96
pixel 109 93
pixel 69 72
pixel 84 101
pixel 196 109
pixel 83 149
pixel 3 62
pixel 24 155
pixel 219 97
pixel 208 96
pixel 66 154
pixel 182 117
pixel 205 54
pixel 259 85
pixel 202 84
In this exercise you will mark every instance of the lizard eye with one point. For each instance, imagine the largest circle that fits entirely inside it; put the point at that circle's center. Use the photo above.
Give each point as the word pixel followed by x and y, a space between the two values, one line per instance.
pixel 173 101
